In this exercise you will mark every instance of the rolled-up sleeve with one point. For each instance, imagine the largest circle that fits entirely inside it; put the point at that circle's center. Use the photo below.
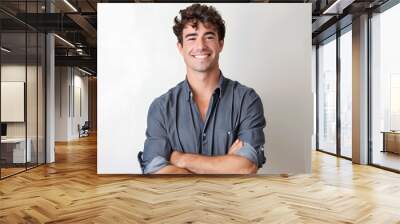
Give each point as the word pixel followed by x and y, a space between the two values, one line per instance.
pixel 251 127
pixel 157 149
pixel 249 153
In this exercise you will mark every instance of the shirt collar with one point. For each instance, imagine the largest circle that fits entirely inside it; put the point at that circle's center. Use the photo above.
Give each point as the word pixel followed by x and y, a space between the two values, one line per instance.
pixel 220 87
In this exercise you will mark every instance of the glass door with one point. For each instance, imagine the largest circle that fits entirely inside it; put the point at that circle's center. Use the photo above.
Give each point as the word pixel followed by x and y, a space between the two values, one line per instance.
pixel 14 155
pixel 327 96
pixel 346 93
pixel 385 89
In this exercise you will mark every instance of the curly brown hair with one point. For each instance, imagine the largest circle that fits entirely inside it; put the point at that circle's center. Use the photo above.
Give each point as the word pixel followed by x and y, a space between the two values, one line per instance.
pixel 195 13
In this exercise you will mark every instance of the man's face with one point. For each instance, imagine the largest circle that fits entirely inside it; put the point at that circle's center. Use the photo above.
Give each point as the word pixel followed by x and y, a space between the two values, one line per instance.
pixel 200 47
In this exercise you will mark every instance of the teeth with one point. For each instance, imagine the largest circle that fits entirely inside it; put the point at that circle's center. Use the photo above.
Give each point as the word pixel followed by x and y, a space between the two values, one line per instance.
pixel 201 56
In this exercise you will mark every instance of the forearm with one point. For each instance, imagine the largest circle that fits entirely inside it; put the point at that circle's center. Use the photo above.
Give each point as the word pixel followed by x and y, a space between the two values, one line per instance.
pixel 227 164
pixel 170 169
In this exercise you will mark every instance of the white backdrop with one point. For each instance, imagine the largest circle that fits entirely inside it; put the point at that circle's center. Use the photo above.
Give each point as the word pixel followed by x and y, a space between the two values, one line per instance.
pixel 267 47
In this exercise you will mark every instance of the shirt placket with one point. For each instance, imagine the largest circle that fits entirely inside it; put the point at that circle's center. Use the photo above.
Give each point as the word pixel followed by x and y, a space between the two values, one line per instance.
pixel 209 119
pixel 203 126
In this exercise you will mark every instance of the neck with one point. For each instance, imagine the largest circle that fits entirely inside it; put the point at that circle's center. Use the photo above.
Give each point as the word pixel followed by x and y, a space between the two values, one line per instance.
pixel 203 84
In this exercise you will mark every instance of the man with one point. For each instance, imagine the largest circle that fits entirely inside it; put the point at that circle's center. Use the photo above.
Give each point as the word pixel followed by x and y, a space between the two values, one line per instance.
pixel 207 124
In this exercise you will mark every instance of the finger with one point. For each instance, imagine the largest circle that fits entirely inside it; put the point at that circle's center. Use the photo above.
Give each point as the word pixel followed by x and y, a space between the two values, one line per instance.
pixel 235 144
pixel 233 150
pixel 238 146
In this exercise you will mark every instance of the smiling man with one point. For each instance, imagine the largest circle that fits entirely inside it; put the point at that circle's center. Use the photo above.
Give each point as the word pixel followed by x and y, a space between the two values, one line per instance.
pixel 207 124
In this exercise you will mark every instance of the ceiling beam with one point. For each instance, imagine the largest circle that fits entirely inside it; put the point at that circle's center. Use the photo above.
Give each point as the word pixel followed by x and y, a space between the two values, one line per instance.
pixel 84 61
pixel 337 7
pixel 84 24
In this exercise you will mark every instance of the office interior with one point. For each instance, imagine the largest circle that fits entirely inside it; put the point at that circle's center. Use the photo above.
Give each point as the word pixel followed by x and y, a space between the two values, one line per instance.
pixel 48 83
pixel 30 101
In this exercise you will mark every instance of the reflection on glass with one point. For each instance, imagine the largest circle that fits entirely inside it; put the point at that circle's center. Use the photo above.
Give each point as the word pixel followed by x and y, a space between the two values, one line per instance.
pixel 41 98
pixel 386 89
pixel 346 94
pixel 13 86
pixel 327 97
pixel 22 91
pixel 395 101
pixel 31 101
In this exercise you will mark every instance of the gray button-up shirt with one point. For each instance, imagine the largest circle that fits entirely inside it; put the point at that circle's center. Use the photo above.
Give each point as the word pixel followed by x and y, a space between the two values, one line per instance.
pixel 174 123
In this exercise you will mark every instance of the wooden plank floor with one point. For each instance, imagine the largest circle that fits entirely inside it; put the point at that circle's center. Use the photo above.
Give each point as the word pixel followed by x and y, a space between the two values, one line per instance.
pixel 70 191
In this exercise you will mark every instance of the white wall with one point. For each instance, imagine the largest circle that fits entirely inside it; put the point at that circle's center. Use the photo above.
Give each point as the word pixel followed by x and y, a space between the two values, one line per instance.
pixel 267 47
pixel 18 73
pixel 61 103
pixel 67 117
pixel 80 84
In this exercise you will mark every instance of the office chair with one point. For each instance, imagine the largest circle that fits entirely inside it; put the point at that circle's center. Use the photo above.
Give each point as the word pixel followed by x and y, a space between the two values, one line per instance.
pixel 141 162
pixel 84 130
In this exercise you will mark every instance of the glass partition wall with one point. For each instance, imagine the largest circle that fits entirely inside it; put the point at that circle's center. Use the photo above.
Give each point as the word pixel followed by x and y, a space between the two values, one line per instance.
pixel 385 89
pixel 327 96
pixel 334 94
pixel 13 110
pixel 22 77
pixel 345 61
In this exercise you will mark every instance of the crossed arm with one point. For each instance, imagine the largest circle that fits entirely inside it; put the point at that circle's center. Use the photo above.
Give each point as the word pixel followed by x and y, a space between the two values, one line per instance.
pixel 184 163
pixel 252 122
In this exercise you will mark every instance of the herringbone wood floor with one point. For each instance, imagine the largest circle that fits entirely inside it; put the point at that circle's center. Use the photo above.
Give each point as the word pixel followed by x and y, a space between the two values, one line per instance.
pixel 70 191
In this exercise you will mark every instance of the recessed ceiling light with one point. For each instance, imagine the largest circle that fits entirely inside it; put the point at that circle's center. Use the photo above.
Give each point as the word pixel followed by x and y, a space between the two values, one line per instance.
pixel 338 6
pixel 84 71
pixel 64 40
pixel 70 5
pixel 5 50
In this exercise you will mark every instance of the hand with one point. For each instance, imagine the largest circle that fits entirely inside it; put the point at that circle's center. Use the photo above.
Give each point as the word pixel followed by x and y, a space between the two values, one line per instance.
pixel 176 159
pixel 238 144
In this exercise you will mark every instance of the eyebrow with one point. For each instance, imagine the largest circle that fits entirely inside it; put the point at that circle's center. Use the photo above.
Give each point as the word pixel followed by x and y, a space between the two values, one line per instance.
pixel 195 34
pixel 191 35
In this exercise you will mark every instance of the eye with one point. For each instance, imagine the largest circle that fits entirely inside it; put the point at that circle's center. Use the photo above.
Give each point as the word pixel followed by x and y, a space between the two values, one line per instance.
pixel 210 37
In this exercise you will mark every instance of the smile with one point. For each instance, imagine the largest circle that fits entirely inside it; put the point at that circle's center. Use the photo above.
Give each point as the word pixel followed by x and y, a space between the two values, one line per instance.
pixel 202 56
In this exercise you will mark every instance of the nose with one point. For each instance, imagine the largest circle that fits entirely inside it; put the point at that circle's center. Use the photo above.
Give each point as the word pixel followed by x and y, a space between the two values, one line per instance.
pixel 200 44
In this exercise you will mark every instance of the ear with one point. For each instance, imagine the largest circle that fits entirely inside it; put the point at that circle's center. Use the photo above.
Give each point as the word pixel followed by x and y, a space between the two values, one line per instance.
pixel 221 45
pixel 180 47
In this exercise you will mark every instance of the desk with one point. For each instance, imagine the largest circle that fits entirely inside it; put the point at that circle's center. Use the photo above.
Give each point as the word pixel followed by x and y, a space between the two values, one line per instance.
pixel 15 148
pixel 391 141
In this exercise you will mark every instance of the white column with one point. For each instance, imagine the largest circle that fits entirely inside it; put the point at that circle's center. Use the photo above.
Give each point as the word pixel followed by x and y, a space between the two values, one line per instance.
pixel 360 90
pixel 50 110
pixel 50 92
